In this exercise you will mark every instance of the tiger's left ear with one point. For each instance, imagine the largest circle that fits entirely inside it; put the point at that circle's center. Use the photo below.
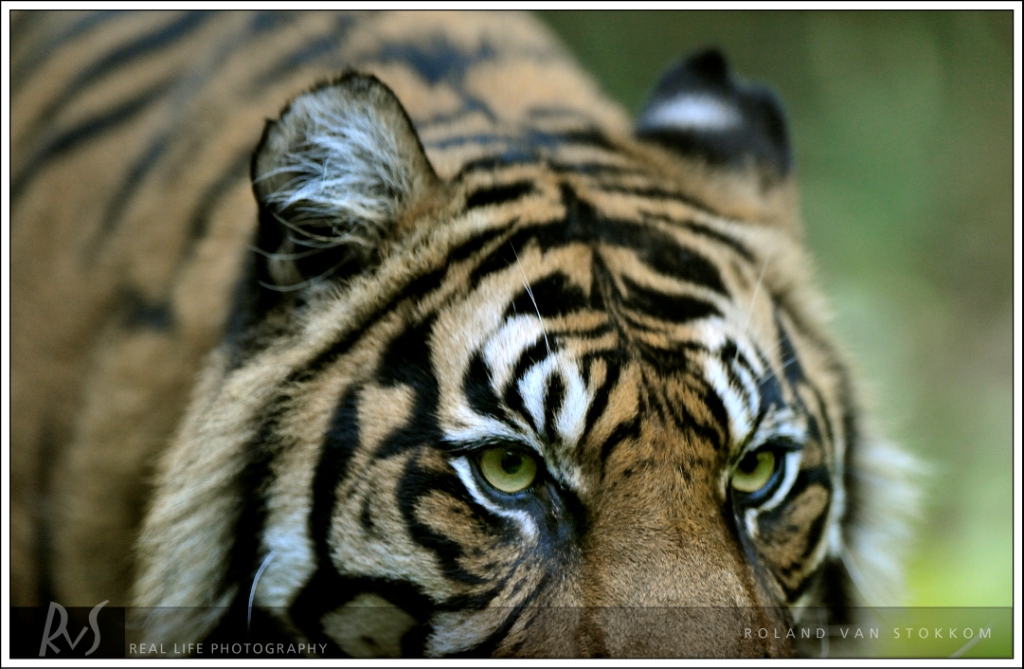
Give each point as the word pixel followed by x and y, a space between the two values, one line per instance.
pixel 334 178
pixel 731 136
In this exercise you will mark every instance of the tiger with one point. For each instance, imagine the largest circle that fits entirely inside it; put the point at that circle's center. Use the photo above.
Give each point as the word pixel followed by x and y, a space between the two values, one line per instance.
pixel 392 334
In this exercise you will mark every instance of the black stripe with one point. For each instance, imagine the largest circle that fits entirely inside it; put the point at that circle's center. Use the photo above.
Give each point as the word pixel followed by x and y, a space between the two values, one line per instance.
pixel 497 260
pixel 476 385
pixel 529 142
pixel 444 119
pixel 603 394
pixel 731 358
pixel 488 647
pixel 666 307
pixel 553 296
pixel 637 323
pixel 407 362
pixel 416 484
pixel 325 591
pixel 23 68
pixel 715 433
pixel 654 193
pixel 251 492
pixel 417 288
pixel 583 224
pixel 656 250
pixel 142 313
pixel 554 396
pixel 715 405
pixel 125 55
pixel 312 50
pixel 496 195
pixel 794 374
pixel 594 169
pixel 485 164
pixel 84 131
pixel 481 239
pixel 777 518
pixel 770 391
pixel 823 410
pixel 233 176
pixel 672 360
pixel 527 359
pixel 479 140
pixel 792 369
pixel 704 231
pixel 589 137
pixel 271 20
pixel 185 92
pixel 476 601
pixel 495 164
pixel 402 594
pixel 581 334
pixel 437 59
pixel 123 196
pixel 662 254
pixel 365 517
pixel 621 433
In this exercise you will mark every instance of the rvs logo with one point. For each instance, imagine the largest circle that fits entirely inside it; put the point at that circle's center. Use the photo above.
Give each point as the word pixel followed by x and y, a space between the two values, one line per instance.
pixel 62 629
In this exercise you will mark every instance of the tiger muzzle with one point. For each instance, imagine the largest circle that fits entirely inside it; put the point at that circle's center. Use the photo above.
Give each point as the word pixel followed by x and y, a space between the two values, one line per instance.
pixel 659 585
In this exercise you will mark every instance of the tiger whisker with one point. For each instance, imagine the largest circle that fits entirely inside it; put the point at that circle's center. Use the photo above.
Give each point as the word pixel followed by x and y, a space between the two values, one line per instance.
pixel 868 594
pixel 252 591
pixel 529 291
pixel 291 226
pixel 753 301
pixel 286 256
pixel 303 284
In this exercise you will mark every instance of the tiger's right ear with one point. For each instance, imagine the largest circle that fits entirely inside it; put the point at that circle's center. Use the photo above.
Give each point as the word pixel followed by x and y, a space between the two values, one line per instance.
pixel 333 178
pixel 731 136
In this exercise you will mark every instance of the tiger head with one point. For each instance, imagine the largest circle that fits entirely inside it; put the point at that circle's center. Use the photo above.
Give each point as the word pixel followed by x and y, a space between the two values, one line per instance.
pixel 571 400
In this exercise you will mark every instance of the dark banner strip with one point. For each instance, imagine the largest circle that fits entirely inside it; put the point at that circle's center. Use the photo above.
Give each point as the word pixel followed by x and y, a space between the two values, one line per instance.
pixel 104 632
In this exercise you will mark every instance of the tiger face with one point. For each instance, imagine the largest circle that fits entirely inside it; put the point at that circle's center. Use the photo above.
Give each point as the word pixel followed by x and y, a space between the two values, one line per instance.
pixel 576 401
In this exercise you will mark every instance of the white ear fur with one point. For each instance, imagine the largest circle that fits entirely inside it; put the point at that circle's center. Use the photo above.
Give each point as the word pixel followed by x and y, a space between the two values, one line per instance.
pixel 337 170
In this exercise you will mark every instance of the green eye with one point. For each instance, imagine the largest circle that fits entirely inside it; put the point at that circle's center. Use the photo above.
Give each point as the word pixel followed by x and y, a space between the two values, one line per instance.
pixel 507 469
pixel 754 471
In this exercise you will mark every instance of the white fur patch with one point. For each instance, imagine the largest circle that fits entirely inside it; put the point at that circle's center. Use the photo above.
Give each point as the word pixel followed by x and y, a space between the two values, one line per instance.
pixel 697 112
pixel 575 402
pixel 737 405
pixel 533 388
pixel 503 349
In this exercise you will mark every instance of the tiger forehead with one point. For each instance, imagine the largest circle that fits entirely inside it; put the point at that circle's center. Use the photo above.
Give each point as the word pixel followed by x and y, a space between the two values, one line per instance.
pixel 561 309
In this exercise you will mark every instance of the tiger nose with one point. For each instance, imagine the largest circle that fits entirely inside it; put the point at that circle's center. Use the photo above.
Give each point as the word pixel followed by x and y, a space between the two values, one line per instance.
pixel 672 605
pixel 666 577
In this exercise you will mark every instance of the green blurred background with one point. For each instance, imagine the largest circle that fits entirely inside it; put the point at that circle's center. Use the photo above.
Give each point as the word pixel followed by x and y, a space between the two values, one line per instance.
pixel 902 128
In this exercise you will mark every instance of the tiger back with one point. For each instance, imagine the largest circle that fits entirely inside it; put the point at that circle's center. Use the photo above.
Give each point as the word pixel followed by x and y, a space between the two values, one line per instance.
pixel 452 359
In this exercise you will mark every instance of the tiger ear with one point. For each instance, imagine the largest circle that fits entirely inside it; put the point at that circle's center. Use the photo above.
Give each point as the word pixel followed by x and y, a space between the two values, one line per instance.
pixel 333 178
pixel 732 132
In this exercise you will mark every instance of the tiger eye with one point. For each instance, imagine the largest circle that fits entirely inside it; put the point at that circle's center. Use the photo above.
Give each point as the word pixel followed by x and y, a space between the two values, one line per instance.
pixel 509 470
pixel 754 471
